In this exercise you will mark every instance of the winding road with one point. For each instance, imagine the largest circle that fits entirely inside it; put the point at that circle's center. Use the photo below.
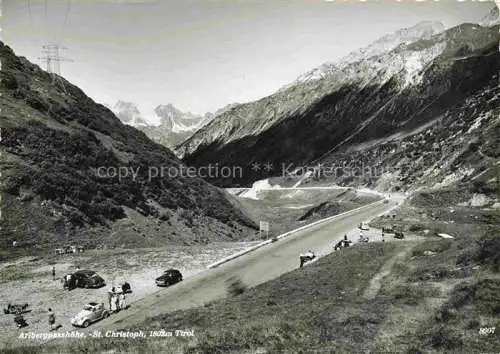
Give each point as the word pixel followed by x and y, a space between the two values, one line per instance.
pixel 258 266
pixel 263 264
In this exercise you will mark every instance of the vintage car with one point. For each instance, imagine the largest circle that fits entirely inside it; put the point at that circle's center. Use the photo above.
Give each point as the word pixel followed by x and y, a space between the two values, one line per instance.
pixel 169 277
pixel 364 226
pixel 388 230
pixel 92 312
pixel 88 279
pixel 399 234
pixel 307 257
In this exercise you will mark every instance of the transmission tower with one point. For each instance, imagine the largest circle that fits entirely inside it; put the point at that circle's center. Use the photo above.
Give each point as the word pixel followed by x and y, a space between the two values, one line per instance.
pixel 52 58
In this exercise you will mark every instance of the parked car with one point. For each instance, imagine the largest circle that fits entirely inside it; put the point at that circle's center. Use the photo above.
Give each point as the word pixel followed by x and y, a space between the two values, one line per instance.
pixel 399 234
pixel 92 312
pixel 88 279
pixel 364 226
pixel 388 230
pixel 169 277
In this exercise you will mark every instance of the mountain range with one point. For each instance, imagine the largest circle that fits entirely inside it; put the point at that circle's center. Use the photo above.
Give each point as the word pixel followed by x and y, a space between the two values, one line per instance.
pixel 174 125
pixel 391 106
pixel 416 109
pixel 73 172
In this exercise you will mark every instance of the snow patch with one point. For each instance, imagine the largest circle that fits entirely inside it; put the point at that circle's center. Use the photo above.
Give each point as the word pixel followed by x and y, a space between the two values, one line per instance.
pixel 477 200
pixel 415 62
pixel 454 177
pixel 254 192
pixel 445 236
pixel 477 123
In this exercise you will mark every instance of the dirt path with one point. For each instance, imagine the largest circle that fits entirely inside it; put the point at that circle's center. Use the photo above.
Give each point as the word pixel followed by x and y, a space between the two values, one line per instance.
pixel 376 281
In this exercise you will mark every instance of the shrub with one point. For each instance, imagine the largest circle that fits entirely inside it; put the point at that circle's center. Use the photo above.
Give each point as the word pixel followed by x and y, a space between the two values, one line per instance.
pixel 415 228
pixel 444 338
pixel 430 273
pixel 467 257
pixel 411 294
pixel 483 295
pixel 485 251
pixel 437 246
pixel 235 286
pixel 489 250
pixel 164 216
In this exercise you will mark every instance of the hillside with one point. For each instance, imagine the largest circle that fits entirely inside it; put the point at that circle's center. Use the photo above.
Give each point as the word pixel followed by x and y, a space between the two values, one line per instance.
pixel 384 98
pixel 430 297
pixel 57 145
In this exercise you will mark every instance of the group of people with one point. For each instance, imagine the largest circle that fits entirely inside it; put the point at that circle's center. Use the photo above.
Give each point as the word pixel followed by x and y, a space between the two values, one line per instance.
pixel 70 282
pixel 116 298
pixel 362 238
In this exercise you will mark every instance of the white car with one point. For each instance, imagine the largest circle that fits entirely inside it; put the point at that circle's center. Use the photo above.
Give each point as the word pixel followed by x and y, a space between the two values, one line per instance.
pixel 92 312
pixel 364 226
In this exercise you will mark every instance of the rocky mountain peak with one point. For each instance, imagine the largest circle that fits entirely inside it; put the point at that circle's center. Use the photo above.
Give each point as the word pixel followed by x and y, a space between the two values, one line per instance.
pixel 129 113
pixel 491 19
pixel 385 44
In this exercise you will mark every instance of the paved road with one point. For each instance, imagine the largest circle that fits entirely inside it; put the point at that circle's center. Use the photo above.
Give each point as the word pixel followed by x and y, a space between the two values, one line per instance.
pixel 261 265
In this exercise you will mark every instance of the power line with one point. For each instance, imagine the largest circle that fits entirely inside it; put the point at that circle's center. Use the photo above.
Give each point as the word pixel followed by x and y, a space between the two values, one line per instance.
pixel 65 23
pixel 28 3
pixel 45 14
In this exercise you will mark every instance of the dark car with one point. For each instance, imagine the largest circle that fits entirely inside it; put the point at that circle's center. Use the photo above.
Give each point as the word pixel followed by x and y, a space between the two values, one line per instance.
pixel 88 279
pixel 399 234
pixel 388 230
pixel 169 277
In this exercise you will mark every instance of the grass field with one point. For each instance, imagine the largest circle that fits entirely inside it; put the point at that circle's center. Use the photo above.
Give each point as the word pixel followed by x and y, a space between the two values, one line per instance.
pixel 426 295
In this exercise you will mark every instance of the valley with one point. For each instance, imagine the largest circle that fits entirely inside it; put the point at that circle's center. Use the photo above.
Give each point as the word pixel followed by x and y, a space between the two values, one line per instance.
pixel 354 209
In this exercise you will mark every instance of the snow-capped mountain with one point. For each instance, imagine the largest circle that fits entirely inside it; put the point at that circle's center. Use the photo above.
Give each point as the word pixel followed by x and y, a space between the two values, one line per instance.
pixel 492 18
pixel 399 83
pixel 128 113
pixel 178 122
pixel 174 125
pixel 226 108
pixel 421 31
pixel 398 59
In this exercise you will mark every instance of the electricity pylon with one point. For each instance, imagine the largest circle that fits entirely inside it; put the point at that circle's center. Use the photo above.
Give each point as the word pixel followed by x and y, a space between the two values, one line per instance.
pixel 52 58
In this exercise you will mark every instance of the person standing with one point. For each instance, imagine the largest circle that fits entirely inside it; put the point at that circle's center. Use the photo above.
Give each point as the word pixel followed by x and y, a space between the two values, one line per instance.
pixel 53 272
pixel 121 296
pixel 68 281
pixel 72 281
pixel 111 295
pixel 117 301
pixel 52 320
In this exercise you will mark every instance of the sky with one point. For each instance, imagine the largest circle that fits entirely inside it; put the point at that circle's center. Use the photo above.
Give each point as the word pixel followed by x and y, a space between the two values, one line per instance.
pixel 200 55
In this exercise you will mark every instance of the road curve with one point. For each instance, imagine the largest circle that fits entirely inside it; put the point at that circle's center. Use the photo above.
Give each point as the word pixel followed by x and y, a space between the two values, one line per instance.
pixel 261 265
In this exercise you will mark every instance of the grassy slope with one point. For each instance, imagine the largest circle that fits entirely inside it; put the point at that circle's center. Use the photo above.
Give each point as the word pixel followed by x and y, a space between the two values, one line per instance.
pixel 281 207
pixel 435 297
pixel 288 312
pixel 53 139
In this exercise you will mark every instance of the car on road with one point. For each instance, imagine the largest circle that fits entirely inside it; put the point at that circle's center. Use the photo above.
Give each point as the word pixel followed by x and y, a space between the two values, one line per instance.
pixel 88 279
pixel 399 235
pixel 169 277
pixel 388 229
pixel 364 226
pixel 92 312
